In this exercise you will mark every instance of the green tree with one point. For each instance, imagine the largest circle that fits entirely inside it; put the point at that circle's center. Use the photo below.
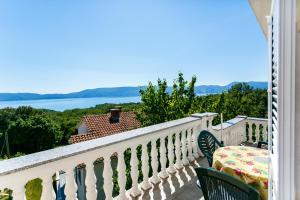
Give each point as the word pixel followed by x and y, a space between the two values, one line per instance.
pixel 159 105
pixel 35 133
pixel 240 99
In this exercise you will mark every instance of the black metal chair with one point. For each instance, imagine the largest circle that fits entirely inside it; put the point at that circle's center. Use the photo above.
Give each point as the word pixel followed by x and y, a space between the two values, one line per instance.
pixel 208 143
pixel 261 143
pixel 216 185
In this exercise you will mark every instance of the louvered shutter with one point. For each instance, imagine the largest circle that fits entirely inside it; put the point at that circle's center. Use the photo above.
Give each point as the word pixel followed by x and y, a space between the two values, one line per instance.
pixel 273 102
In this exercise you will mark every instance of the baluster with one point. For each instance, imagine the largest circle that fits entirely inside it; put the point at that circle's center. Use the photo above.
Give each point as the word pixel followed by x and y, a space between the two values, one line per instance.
pixel 195 143
pixel 107 176
pixel 242 130
pixel 19 192
pixel 263 130
pixel 262 133
pixel 200 128
pixel 171 168
pixel 266 133
pixel 243 136
pixel 145 167
pixel 70 186
pixel 190 145
pixel 185 161
pixel 134 173
pixel 178 164
pixel 257 132
pixel 48 191
pixel 90 181
pixel 155 179
pixel 163 159
pixel 121 175
pixel 250 132
pixel 244 133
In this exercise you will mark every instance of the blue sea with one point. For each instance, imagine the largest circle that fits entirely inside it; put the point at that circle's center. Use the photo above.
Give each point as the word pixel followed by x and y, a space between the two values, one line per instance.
pixel 66 104
pixel 70 103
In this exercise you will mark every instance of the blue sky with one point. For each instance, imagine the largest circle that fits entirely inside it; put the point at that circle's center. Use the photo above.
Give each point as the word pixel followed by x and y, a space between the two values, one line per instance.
pixel 70 45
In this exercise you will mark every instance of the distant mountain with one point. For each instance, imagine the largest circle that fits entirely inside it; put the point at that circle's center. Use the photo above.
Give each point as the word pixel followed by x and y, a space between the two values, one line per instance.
pixel 118 92
pixel 215 89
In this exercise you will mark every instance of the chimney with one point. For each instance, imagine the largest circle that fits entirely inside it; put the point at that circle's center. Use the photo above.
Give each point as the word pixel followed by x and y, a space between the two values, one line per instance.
pixel 115 115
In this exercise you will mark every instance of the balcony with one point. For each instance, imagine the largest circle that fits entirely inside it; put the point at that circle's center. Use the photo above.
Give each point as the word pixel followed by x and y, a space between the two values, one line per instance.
pixel 96 169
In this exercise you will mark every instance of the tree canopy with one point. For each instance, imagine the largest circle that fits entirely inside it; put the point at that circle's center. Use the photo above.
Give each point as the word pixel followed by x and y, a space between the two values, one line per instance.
pixel 33 134
pixel 241 99
pixel 159 105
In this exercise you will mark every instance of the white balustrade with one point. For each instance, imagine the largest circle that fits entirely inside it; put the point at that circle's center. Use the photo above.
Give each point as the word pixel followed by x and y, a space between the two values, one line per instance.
pixel 90 181
pixel 121 176
pixel 250 132
pixel 190 145
pixel 71 187
pixel 178 163
pixel 16 172
pixel 47 184
pixel 154 161
pixel 196 132
pixel 135 191
pixel 171 168
pixel 257 132
pixel 185 161
pixel 234 130
pixel 201 126
pixel 145 167
pixel 260 129
pixel 243 132
pixel 107 176
pixel 163 158
pixel 265 133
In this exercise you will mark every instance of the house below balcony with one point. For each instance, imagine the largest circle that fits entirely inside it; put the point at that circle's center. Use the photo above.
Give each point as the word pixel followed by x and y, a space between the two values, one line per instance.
pixel 97 126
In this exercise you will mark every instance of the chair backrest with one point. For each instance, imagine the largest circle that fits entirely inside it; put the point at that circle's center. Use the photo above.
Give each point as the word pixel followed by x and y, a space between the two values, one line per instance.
pixel 216 185
pixel 262 145
pixel 208 143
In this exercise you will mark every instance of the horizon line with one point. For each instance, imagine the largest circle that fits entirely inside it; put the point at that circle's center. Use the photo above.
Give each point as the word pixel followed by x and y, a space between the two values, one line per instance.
pixel 63 93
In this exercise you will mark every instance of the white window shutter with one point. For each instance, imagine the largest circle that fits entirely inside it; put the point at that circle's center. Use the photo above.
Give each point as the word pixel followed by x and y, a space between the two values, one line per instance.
pixel 281 39
pixel 273 106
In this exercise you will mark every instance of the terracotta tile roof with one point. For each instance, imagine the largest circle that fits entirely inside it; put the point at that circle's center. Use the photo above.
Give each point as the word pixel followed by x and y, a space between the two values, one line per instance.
pixel 100 126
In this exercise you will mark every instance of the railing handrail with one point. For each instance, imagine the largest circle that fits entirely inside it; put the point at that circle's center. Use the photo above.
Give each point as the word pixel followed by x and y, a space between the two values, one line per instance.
pixel 232 122
pixel 36 159
pixel 229 123
pixel 257 119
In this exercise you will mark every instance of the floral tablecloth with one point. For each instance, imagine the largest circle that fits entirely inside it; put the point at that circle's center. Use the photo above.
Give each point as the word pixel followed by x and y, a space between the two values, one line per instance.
pixel 248 164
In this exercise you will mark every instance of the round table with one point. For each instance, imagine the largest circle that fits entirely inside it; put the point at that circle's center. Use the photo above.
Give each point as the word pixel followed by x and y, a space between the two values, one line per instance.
pixel 248 164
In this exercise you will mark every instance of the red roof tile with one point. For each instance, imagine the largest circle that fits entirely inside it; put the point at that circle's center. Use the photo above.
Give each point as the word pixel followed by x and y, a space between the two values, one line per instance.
pixel 100 126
